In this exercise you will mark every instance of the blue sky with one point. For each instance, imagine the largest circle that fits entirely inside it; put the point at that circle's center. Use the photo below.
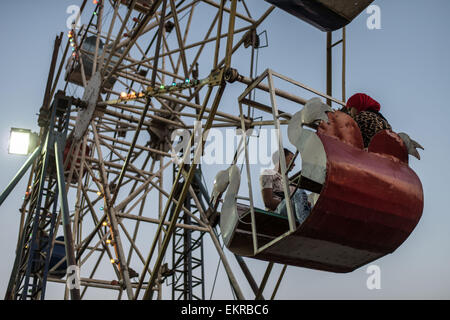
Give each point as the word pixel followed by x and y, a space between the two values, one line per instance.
pixel 404 65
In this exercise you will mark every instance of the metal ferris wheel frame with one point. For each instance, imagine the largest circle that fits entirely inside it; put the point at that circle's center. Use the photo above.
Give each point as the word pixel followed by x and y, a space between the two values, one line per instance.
pixel 98 163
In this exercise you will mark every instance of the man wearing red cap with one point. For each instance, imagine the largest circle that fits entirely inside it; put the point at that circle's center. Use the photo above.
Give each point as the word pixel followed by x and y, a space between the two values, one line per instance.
pixel 366 113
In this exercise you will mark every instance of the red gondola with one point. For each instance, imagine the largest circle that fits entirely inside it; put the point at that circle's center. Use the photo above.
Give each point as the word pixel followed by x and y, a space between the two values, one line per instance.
pixel 368 204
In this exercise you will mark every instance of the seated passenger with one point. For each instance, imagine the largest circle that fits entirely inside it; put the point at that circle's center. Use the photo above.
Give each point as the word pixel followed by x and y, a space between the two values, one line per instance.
pixel 366 113
pixel 273 195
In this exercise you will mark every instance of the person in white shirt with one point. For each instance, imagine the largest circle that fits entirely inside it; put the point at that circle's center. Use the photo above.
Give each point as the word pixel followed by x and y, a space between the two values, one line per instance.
pixel 273 195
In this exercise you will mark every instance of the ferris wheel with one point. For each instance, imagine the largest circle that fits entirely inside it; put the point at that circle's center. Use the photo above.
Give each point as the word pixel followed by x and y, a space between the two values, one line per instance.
pixel 110 191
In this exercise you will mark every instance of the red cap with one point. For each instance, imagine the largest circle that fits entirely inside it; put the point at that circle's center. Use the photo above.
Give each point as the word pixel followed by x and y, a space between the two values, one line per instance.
pixel 362 102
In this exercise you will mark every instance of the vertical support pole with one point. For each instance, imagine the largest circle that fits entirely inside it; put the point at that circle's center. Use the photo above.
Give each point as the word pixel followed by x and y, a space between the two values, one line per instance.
pixel 51 73
pixel 344 52
pixel 68 237
pixel 160 207
pixel 163 58
pixel 83 73
pixel 230 38
pixel 219 30
pixel 282 158
pixel 158 42
pixel 250 191
pixel 61 65
pixel 187 242
pixel 97 42
pixel 50 244
pixel 180 40
pixel 329 67
pixel 111 26
pixel 76 231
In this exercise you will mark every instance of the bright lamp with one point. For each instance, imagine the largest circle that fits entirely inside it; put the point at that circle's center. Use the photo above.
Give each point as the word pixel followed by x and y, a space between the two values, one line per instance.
pixel 19 141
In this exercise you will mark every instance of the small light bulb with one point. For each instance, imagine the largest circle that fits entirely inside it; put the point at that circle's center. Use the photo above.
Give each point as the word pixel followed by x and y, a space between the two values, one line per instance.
pixel 105 224
pixel 113 261
pixel 99 193
pixel 108 241
pixel 123 95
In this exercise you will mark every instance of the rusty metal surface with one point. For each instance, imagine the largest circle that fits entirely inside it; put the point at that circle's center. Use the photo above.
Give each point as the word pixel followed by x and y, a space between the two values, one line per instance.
pixel 341 126
pixel 318 254
pixel 369 202
pixel 390 144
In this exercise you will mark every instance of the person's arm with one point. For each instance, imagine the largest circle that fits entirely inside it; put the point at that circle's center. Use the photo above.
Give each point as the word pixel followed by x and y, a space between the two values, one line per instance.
pixel 269 201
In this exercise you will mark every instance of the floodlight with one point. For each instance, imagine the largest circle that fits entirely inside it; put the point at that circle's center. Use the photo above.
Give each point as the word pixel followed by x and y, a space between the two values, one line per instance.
pixel 21 141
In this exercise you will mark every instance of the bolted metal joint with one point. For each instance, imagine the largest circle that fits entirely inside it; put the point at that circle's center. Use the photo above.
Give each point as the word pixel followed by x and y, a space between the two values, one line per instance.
pixel 231 75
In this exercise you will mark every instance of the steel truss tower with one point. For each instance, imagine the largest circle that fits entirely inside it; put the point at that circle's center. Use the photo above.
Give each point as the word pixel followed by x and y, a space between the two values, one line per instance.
pixel 187 252
pixel 37 234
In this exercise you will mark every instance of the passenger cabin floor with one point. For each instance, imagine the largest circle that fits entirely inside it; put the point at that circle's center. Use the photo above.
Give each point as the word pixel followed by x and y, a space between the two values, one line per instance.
pixel 269 225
